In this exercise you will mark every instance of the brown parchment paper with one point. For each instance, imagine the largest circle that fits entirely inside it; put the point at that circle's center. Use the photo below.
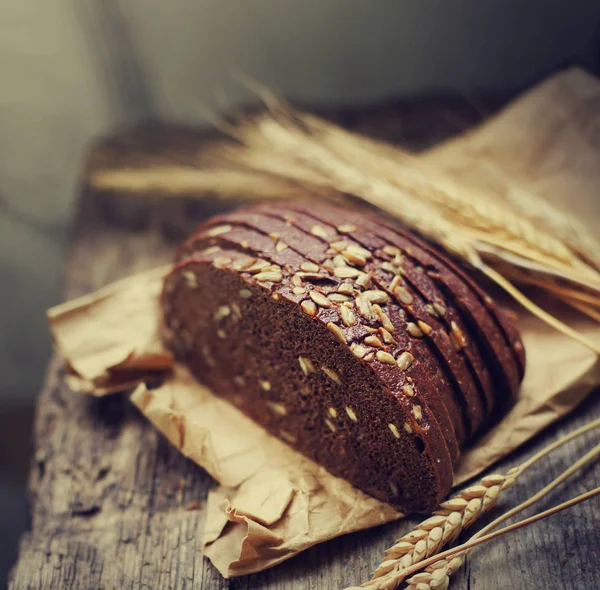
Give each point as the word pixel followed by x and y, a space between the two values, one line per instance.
pixel 276 502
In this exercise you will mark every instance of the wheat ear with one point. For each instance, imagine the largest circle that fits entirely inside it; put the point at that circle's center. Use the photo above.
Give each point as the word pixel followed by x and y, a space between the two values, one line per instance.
pixel 456 514
pixel 309 150
pixel 449 561
pixel 437 575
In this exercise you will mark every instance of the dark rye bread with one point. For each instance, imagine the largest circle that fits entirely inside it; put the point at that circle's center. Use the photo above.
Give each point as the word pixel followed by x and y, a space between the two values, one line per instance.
pixel 253 243
pixel 299 263
pixel 300 379
pixel 438 386
pixel 456 369
pixel 416 372
pixel 243 238
pixel 429 307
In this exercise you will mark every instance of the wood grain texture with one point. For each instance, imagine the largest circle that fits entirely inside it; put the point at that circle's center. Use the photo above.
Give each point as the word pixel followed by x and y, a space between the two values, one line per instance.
pixel 109 494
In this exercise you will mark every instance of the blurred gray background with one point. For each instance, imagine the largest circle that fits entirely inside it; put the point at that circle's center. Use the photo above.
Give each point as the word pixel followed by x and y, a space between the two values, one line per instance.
pixel 71 70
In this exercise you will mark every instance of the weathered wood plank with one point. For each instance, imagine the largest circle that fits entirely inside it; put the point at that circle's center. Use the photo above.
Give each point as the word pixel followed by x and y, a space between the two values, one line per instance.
pixel 108 493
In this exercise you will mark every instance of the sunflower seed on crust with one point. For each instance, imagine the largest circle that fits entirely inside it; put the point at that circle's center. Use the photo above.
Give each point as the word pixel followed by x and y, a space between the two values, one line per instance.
pixel 337 297
pixel 346 288
pixel 403 295
pixel 363 281
pixel 431 310
pixel 417 412
pixel 385 357
pixel 392 250
pixel 347 316
pixel 346 272
pixel 357 350
pixel 383 318
pixel 405 360
pixel 190 279
pixel 373 341
pixel 354 258
pixel 339 246
pixel 319 299
pixel 337 332
pixel 425 327
pixel 310 267
pixel 457 335
pixel 439 308
pixel 309 307
pixel 320 231
pixel 359 251
pixel 351 414
pixel 396 282
pixel 376 296
pixel 346 228
pixel 211 250
pixel 408 390
pixel 218 230
pixel 259 265
pixel 364 307
pixel 389 267
pixel 330 425
pixel 286 436
pixel 387 337
pixel 339 261
pixel 414 330
pixel 222 312
pixel 221 262
pixel 269 276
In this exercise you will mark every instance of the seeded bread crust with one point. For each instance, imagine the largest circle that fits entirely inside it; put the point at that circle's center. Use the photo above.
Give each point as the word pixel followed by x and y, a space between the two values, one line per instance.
pixel 439 386
pixel 462 337
pixel 416 422
pixel 414 282
pixel 493 330
pixel 317 242
pixel 305 270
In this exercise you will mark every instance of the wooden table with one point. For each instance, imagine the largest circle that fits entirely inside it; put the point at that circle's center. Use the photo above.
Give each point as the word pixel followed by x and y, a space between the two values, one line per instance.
pixel 108 492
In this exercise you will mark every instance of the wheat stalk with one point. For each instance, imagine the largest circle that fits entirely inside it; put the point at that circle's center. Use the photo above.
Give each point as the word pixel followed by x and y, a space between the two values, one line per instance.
pixel 476 212
pixel 437 574
pixel 454 516
pixel 295 152
pixel 312 152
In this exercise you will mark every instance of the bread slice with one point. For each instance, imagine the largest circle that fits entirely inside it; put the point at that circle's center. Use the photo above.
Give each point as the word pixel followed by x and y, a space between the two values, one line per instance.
pixel 439 387
pixel 246 334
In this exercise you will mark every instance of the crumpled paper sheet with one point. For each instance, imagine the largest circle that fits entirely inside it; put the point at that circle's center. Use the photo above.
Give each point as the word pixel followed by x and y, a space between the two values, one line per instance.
pixel 272 502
